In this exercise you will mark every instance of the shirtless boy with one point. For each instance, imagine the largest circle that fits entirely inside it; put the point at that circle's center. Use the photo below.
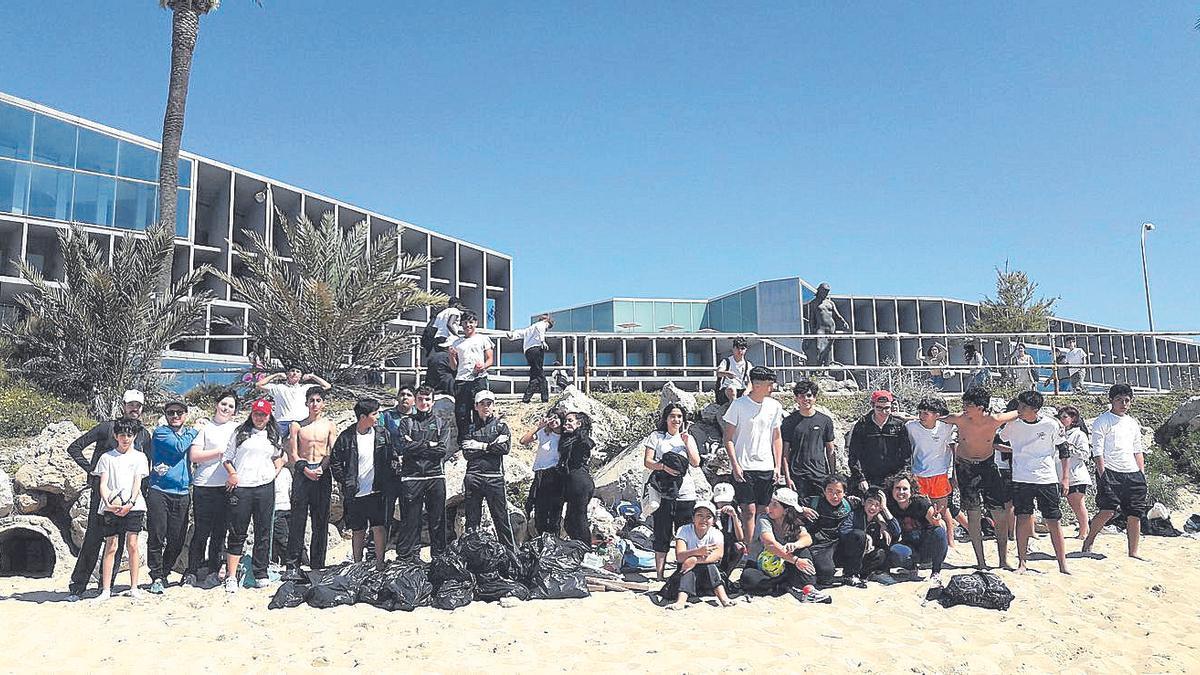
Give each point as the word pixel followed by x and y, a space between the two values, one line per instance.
pixel 309 442
pixel 979 480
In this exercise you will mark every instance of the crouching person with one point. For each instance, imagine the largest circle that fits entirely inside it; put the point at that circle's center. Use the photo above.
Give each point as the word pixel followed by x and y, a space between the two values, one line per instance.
pixel 780 560
pixel 360 464
pixel 836 540
pixel 883 552
pixel 699 547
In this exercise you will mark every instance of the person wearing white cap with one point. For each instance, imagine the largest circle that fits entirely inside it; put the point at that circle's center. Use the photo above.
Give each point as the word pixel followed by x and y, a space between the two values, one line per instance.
pixel 102 436
pixel 484 445
pixel 729 521
pixel 780 560
pixel 699 546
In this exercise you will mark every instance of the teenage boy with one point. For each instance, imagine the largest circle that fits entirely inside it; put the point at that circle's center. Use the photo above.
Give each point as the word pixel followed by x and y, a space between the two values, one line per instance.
pixel 390 420
pixel 879 446
pixel 533 344
pixel 359 462
pixel 169 496
pixel 419 455
pixel 449 324
pixel 979 481
pixel 933 456
pixel 836 541
pixel 309 443
pixel 1040 454
pixel 1076 358
pixel 121 508
pixel 755 446
pixel 470 356
pixel 807 443
pixel 102 436
pixel 289 395
pixel 484 446
pixel 734 373
pixel 1120 468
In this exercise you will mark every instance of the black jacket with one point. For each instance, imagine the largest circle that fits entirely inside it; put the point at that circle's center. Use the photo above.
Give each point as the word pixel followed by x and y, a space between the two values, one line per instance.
pixel 102 436
pixel 878 452
pixel 487 461
pixel 421 447
pixel 574 451
pixel 343 461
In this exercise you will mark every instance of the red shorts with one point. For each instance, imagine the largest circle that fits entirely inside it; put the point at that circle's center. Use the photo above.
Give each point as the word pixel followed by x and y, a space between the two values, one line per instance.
pixel 935 487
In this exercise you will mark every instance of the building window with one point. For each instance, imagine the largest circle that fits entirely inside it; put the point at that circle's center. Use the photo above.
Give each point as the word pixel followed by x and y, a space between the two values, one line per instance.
pixel 97 152
pixel 138 162
pixel 50 193
pixel 137 204
pixel 54 142
pixel 14 187
pixel 16 132
pixel 94 196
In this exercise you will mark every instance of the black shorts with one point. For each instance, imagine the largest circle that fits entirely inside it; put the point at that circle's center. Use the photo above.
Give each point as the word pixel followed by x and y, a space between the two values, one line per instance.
pixel 1048 497
pixel 1078 489
pixel 980 484
pixel 1124 492
pixel 113 525
pixel 758 488
pixel 365 511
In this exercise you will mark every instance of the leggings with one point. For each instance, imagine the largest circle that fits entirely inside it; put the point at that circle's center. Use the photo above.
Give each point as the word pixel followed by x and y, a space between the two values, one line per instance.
pixel 209 513
pixel 577 491
pixel 548 500
pixel 670 516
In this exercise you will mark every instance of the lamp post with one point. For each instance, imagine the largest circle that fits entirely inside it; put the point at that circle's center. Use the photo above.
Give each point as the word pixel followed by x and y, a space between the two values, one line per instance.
pixel 1154 380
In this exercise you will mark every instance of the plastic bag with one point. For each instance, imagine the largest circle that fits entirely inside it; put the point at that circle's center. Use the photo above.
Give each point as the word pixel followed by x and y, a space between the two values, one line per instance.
pixel 289 594
pixel 340 590
pixel 1192 524
pixel 454 594
pixel 979 589
pixel 555 567
pixel 481 551
pixel 447 566
pixel 491 586
pixel 407 588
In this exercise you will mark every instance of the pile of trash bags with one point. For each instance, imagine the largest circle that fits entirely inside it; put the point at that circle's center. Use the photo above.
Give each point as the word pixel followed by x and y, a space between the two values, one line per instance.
pixel 473 567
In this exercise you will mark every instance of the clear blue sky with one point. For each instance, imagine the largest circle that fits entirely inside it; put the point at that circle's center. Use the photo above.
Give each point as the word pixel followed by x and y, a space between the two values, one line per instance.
pixel 686 149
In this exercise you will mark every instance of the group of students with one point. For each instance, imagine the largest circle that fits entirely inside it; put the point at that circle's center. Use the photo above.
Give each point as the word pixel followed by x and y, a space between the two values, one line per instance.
pixel 791 522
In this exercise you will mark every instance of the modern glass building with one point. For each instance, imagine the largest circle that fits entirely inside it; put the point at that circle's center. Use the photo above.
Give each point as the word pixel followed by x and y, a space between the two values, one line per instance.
pixel 57 169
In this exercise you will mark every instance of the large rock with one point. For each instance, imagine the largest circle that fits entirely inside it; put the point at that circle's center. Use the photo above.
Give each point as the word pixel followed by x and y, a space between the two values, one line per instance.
pixel 51 469
pixel 7 503
pixel 708 438
pixel 712 413
pixel 516 472
pixel 608 425
pixel 40 545
pixel 672 394
pixel 28 503
pixel 1185 420
pixel 443 408
pixel 622 478
pixel 78 513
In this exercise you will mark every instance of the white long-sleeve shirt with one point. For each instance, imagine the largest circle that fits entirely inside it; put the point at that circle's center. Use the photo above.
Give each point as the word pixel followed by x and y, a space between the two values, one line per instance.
pixel 1116 439
pixel 532 336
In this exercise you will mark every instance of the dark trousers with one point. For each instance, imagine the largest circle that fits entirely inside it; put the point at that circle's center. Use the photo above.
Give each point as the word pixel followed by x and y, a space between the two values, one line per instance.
pixel 535 357
pixel 391 496
pixel 703 579
pixel 756 582
pixel 279 535
pixel 431 495
pixel 577 492
pixel 548 501
pixel 257 503
pixel 846 552
pixel 464 401
pixel 671 515
pixel 93 544
pixel 208 527
pixel 166 524
pixel 929 544
pixel 310 500
pixel 476 489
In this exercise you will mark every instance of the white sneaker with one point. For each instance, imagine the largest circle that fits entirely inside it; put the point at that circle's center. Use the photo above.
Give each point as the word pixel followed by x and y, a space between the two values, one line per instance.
pixel 231 585
pixel 104 596
pixel 262 583
pixel 137 594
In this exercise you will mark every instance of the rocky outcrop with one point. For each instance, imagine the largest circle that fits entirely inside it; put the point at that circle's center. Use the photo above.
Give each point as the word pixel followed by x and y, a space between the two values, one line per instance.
pixel 28 503
pixel 516 472
pixel 78 513
pixel 1183 422
pixel 32 546
pixel 7 503
pixel 608 425
pixel 672 394
pixel 51 469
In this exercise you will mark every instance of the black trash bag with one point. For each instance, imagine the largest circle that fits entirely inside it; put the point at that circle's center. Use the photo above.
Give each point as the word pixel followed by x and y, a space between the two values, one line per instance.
pixel 491 586
pixel 554 571
pixel 480 550
pixel 1159 527
pixel 1192 524
pixel 454 594
pixel 370 591
pixel 340 590
pixel 979 589
pixel 408 588
pixel 289 594
pixel 448 566
pixel 354 572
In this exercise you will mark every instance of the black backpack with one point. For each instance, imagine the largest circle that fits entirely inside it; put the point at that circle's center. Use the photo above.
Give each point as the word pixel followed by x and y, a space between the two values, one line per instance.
pixel 979 589
pixel 429 335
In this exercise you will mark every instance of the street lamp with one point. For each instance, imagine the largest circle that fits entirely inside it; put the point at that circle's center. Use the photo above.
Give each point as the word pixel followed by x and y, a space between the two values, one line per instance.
pixel 1155 376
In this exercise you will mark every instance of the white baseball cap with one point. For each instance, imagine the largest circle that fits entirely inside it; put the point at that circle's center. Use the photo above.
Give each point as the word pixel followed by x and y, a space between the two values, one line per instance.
pixel 134 396
pixel 722 492
pixel 484 395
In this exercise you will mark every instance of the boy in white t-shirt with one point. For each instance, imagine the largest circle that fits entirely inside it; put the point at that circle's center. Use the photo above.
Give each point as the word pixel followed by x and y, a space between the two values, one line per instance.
pixel 122 506
pixel 1039 458
pixel 754 443
pixel 699 546
pixel 933 444
pixel 1120 469
pixel 470 356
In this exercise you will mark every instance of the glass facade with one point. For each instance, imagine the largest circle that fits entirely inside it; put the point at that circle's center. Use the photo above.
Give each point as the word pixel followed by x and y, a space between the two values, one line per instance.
pixel 734 313
pixel 61 171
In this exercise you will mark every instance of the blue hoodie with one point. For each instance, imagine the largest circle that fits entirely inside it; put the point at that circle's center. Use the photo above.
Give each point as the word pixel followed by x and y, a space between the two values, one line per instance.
pixel 171 448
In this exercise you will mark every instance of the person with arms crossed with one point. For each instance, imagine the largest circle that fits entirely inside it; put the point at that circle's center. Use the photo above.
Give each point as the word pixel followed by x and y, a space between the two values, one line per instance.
pixel 421 451
pixel 253 460
pixel 754 445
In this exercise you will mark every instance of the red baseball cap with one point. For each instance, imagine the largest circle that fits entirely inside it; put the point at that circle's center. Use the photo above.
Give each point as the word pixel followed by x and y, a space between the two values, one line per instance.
pixel 882 395
pixel 262 405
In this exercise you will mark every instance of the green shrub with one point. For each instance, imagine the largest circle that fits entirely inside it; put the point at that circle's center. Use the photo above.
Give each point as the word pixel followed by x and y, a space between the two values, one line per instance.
pixel 25 410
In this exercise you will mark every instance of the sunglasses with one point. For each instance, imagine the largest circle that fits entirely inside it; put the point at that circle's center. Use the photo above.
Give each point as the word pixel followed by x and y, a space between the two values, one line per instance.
pixel 174 412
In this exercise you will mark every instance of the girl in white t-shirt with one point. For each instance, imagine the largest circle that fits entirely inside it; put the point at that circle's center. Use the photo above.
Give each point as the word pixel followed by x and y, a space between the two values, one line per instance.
pixel 1077 466
pixel 699 546
pixel 209 496
pixel 675 508
pixel 546 493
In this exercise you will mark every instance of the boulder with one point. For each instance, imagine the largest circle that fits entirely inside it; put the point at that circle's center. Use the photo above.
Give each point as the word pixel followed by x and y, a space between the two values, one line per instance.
pixel 32 546
pixel 601 521
pixel 516 472
pixel 708 438
pixel 7 499
pixel 51 469
pixel 712 413
pixel 608 425
pixel 28 503
pixel 78 513
pixel 337 505
pixel 1185 420
pixel 672 394
pixel 622 478
pixel 829 385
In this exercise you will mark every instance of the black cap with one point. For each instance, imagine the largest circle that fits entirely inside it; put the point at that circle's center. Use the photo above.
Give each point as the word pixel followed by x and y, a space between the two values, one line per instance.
pixel 762 374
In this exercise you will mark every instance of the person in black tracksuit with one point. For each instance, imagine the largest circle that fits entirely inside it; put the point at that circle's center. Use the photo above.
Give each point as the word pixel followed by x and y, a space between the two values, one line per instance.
pixel 574 451
pixel 484 445
pixel 93 537
pixel 418 455
pixel 365 504
pixel 879 445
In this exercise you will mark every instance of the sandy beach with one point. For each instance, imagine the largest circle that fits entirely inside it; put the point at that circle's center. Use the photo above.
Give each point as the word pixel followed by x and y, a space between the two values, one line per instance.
pixel 1112 615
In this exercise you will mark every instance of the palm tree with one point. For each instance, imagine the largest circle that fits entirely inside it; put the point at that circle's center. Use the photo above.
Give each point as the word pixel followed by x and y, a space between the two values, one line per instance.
pixel 104 327
pixel 328 308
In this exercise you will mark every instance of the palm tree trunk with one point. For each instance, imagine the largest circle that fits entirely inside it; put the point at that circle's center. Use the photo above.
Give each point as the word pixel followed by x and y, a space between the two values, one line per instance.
pixel 185 25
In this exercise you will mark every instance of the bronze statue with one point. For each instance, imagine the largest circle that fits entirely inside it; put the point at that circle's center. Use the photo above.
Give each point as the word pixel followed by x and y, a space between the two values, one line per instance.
pixel 823 319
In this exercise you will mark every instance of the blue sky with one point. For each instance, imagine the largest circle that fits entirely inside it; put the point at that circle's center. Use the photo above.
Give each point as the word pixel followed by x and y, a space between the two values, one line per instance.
pixel 686 149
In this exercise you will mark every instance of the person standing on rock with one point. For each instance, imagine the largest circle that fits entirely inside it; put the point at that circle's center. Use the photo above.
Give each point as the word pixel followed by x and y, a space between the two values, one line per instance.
pixel 484 446
pixel 169 496
pixel 546 493
pixel 733 373
pixel 209 498
pixel 309 443
pixel 359 462
pixel 102 437
pixel 448 325
pixel 1120 469
pixel 677 489
pixel 290 395
pixel 534 345
pixel 121 505
pixel 879 444
pixel 421 450
pixel 754 444
pixel 808 443
pixel 471 355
